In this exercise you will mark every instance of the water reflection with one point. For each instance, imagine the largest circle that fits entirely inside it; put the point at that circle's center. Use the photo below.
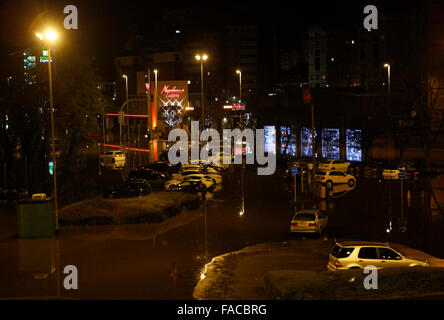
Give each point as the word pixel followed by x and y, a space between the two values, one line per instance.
pixel 405 211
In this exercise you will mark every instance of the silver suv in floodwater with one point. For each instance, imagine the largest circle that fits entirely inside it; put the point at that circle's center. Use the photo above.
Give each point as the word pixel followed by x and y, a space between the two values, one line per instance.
pixel 358 255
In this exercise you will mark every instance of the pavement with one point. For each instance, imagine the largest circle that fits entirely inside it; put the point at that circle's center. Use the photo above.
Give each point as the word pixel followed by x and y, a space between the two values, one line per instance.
pixel 240 274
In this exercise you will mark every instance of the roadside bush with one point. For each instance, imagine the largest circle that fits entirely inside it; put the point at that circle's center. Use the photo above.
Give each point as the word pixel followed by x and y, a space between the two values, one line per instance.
pixel 152 208
pixel 348 284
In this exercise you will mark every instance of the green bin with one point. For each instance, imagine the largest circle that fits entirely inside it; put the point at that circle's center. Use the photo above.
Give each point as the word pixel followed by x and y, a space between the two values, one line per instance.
pixel 35 218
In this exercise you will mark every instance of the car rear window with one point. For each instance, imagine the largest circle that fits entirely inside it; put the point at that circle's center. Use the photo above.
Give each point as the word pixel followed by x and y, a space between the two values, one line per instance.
pixel 340 252
pixel 119 153
pixel 321 173
pixel 305 216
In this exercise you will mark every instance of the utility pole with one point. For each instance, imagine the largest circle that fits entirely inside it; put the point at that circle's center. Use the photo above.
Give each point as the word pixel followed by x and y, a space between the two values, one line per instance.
pixel 149 119
pixel 313 148
pixel 51 105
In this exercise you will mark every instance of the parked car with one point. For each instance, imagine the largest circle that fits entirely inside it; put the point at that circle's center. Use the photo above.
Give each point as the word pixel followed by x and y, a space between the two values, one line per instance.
pixel 390 173
pixel 211 170
pixel 209 182
pixel 358 255
pixel 216 167
pixel 190 186
pixel 129 189
pixel 309 221
pixel 218 158
pixel 146 174
pixel 216 177
pixel 13 194
pixel 113 159
pixel 163 167
pixel 333 164
pixel 330 178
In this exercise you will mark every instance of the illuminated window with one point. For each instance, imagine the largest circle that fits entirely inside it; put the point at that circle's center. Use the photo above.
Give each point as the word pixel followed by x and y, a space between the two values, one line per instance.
pixel 330 143
pixel 288 141
pixel 306 146
pixel 353 144
pixel 270 139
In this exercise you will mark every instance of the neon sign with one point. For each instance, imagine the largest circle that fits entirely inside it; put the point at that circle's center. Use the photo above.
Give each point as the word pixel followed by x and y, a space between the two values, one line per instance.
pixel 238 107
pixel 171 93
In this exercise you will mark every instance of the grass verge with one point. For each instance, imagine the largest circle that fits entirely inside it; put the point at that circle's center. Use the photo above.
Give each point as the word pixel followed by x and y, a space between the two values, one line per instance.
pixel 152 208
pixel 396 283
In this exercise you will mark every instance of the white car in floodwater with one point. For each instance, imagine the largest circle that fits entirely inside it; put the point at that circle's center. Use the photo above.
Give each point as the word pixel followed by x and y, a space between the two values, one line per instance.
pixel 209 182
pixel 113 159
pixel 359 254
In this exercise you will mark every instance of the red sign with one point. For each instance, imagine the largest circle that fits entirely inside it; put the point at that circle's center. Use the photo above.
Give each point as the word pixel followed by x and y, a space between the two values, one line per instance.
pixel 147 86
pixel 237 107
pixel 307 95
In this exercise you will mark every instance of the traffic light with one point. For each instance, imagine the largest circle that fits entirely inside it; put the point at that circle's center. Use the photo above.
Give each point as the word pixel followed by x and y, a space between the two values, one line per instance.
pixel 51 167
pixel 148 135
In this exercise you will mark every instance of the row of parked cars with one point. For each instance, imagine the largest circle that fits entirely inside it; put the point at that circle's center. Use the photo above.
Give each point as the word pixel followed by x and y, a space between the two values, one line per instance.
pixel 143 181
pixel 199 177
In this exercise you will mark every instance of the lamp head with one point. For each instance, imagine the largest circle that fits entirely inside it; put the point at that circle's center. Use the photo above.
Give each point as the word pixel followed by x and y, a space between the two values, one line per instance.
pixel 51 35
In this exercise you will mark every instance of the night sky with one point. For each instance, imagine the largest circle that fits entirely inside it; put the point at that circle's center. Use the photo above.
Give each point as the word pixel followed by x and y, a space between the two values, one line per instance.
pixel 104 25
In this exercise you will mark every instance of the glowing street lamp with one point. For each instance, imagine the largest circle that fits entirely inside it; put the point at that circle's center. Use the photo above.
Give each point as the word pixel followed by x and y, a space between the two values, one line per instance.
pixel 202 58
pixel 388 76
pixel 126 85
pixel 240 84
pixel 50 36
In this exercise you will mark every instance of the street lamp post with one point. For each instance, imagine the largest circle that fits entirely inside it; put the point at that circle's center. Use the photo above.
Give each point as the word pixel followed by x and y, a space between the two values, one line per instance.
pixel 126 85
pixel 388 77
pixel 202 58
pixel 50 36
pixel 154 121
pixel 390 137
pixel 240 84
pixel 389 109
pixel 126 90
pixel 240 94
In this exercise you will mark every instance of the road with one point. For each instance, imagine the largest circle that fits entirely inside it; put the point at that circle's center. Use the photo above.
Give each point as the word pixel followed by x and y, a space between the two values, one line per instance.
pixel 127 262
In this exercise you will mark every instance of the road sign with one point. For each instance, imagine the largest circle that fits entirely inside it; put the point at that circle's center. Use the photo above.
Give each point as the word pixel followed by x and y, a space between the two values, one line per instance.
pixel 294 170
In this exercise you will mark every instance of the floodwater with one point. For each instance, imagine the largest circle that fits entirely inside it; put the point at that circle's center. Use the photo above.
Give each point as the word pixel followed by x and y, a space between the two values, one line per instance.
pixel 136 262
